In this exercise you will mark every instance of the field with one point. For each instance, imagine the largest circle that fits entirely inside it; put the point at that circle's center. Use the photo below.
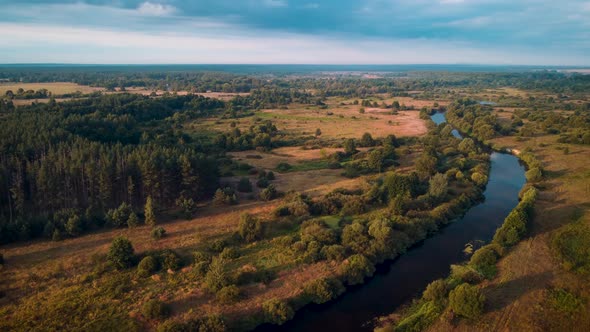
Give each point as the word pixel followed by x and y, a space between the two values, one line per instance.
pixel 57 88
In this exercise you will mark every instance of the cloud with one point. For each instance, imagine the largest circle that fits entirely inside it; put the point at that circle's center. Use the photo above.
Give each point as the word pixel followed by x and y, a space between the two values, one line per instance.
pixel 276 3
pixel 155 9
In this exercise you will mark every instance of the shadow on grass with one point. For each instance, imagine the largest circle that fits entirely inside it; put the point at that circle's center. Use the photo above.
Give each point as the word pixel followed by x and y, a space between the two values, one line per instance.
pixel 504 294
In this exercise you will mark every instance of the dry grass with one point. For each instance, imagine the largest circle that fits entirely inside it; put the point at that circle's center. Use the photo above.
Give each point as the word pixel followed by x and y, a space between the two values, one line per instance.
pixel 57 88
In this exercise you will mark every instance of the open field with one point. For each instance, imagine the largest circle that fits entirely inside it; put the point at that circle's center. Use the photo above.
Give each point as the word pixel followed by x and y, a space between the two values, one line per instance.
pixel 57 88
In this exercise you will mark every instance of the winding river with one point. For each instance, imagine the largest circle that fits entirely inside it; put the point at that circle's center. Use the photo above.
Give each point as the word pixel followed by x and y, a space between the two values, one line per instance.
pixel 398 281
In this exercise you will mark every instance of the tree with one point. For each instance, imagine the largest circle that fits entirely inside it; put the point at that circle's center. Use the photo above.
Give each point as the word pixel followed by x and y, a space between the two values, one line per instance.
pixel 133 220
pixel 245 186
pixel 228 294
pixel 350 146
pixel 438 186
pixel 150 216
pixel 467 301
pixel 187 206
pixel 216 277
pixel 318 132
pixel 357 268
pixel 436 291
pixel 121 253
pixel 249 228
pixel 367 140
pixel 269 193
pixel 467 146
pixel 323 290
pixel 74 225
pixel 277 311
pixel 158 233
pixel 534 175
pixel 147 266
pixel 426 164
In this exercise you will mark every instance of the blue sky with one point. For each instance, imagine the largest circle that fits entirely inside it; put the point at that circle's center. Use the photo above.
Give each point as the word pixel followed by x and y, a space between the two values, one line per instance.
pixel 535 32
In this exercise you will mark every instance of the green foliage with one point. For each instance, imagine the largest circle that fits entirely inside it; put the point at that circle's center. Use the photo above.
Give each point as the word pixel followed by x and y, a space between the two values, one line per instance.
pixel 187 207
pixel 366 141
pixel 230 253
pixel 228 294
pixel 284 167
pixel 323 290
pixel 133 220
pixel 150 215
pixel 419 317
pixel 154 309
pixel 74 225
pixel 479 179
pixel 225 196
pixel 534 175
pixel 216 277
pixel 572 245
pixel 269 193
pixel 147 266
pixel 436 291
pixel 250 228
pixel 121 253
pixel 350 146
pixel 467 301
pixel 564 301
pixel 119 216
pixel 484 261
pixel 158 233
pixel 170 260
pixel 356 268
pixel 277 311
pixel 438 187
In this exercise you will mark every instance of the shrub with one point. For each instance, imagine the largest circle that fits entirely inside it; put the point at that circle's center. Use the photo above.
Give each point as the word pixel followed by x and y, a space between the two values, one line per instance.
pixel 323 290
pixel 187 207
pixel 283 167
pixel 245 186
pixel 228 294
pixel 277 311
pixel 334 252
pixel 467 301
pixel 170 260
pixel 484 260
pixel 436 291
pixel 534 175
pixel 133 220
pixel 479 179
pixel 158 233
pixel 249 228
pixel 230 253
pixel 269 193
pixel 270 176
pixel 216 277
pixel 150 215
pixel 121 253
pixel 356 268
pixel 571 245
pixel 118 217
pixel 155 309
pixel 147 266
pixel 262 183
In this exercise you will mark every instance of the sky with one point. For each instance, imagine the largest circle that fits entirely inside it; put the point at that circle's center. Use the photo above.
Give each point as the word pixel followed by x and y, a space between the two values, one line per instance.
pixel 504 32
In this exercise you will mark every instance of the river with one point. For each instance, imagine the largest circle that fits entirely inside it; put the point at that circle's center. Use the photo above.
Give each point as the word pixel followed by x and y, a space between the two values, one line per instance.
pixel 398 281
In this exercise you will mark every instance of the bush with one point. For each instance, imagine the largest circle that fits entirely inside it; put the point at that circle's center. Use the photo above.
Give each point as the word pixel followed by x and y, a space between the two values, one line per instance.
pixel 249 228
pixel 170 260
pixel 133 220
pixel 269 193
pixel 436 291
pixel 270 176
pixel 356 268
pixel 277 311
pixel 467 301
pixel 484 261
pixel 158 233
pixel 121 253
pixel 228 294
pixel 216 277
pixel 155 309
pixel 147 266
pixel 534 175
pixel 283 167
pixel 262 183
pixel 245 186
pixel 323 290
pixel 230 253
pixel 334 252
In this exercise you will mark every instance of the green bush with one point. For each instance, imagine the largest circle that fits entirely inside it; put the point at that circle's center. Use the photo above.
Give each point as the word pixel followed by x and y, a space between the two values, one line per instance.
pixel 216 277
pixel 420 317
pixel 250 228
pixel 323 290
pixel 356 268
pixel 230 253
pixel 228 294
pixel 277 311
pixel 147 266
pixel 170 260
pixel 534 175
pixel 158 233
pixel 283 167
pixel 484 261
pixel 436 291
pixel 572 244
pixel 467 301
pixel 269 193
pixel 333 252
pixel 121 253
pixel 155 309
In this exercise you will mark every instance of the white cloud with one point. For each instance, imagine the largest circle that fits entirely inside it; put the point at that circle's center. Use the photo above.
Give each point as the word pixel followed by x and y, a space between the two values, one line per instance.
pixel 155 9
pixel 450 2
pixel 276 3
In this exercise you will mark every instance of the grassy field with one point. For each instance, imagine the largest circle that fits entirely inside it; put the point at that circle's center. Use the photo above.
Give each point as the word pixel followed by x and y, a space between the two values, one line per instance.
pixel 57 88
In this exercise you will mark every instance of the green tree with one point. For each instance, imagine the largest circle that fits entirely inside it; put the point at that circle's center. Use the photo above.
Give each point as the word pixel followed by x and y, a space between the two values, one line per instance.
pixel 249 228
pixel 216 277
pixel 277 311
pixel 350 146
pixel 133 220
pixel 438 187
pixel 357 268
pixel 436 291
pixel 121 253
pixel 155 309
pixel 467 301
pixel 150 216
pixel 323 290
